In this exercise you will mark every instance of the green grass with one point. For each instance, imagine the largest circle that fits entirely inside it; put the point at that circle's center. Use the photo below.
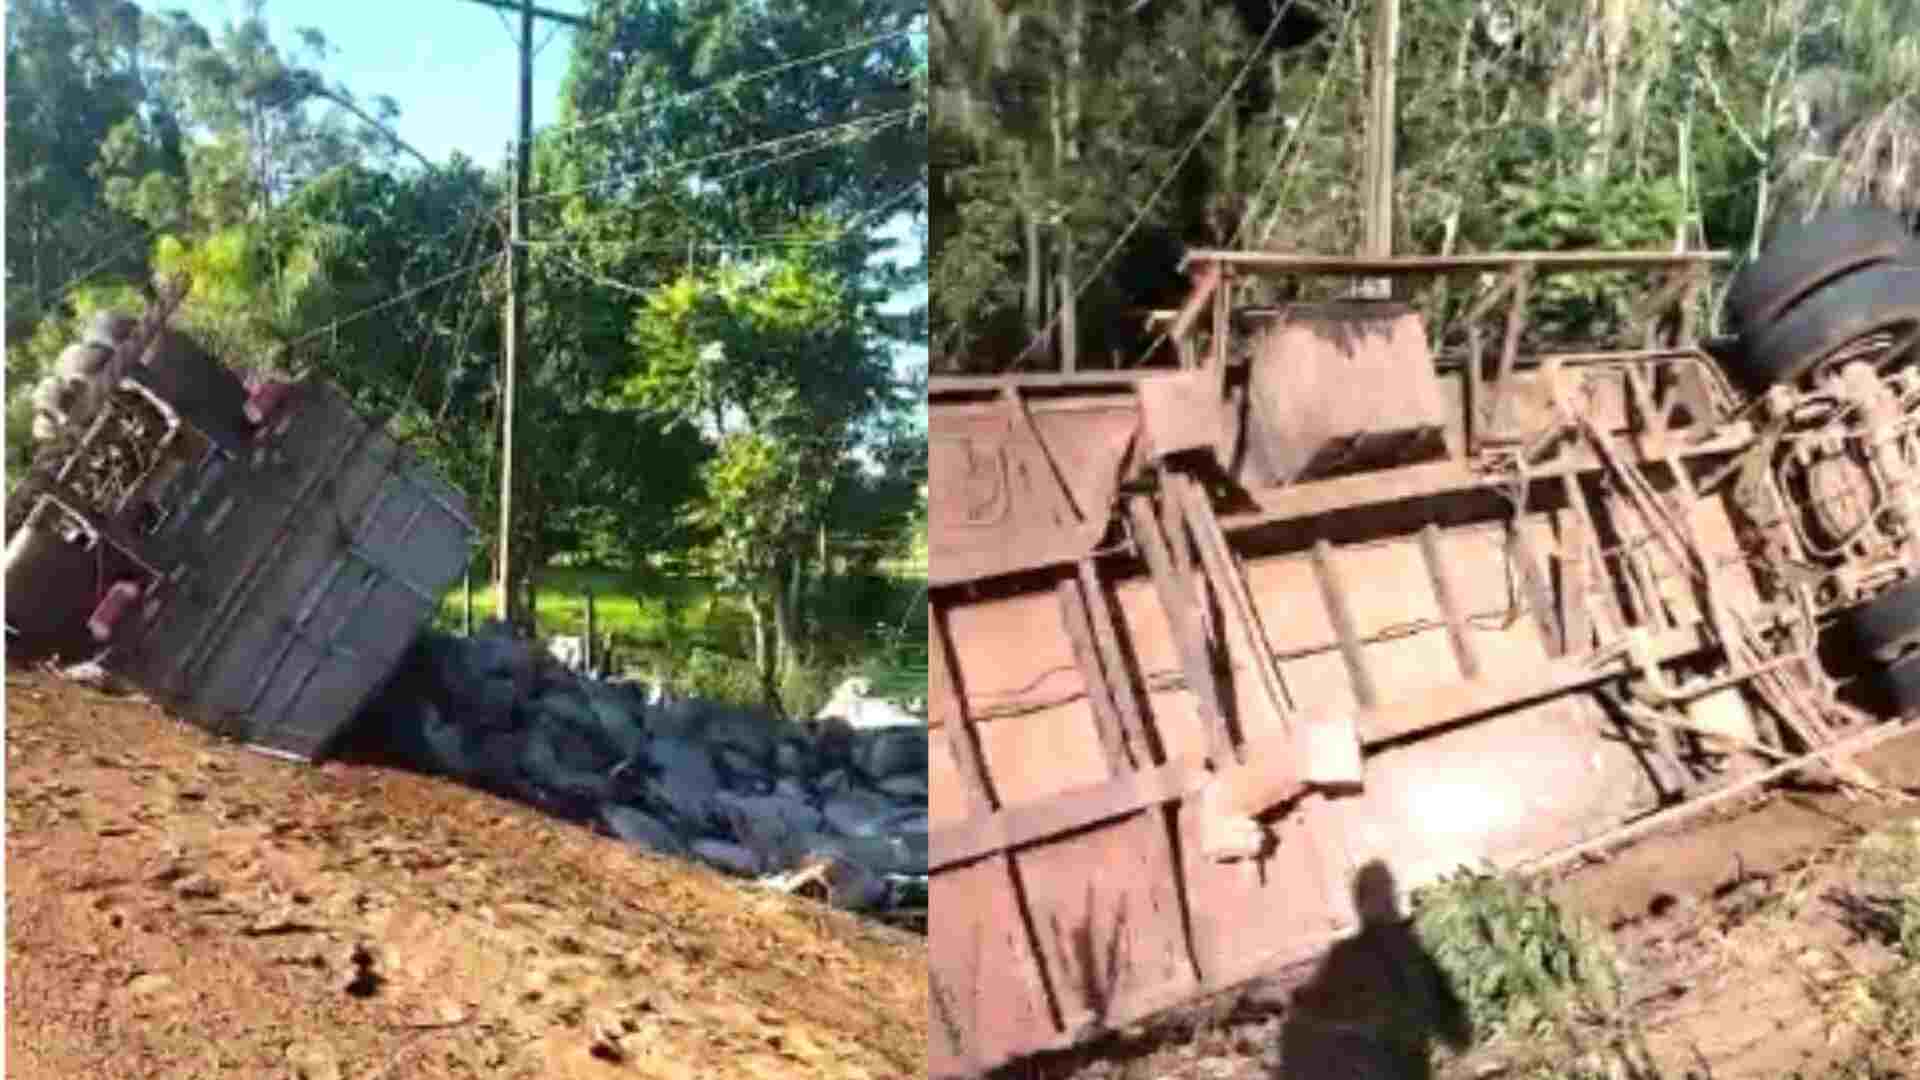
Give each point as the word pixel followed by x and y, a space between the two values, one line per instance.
pixel 641 610
pixel 678 629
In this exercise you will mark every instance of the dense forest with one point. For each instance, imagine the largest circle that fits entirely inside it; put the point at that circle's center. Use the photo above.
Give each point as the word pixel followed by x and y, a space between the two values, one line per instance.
pixel 1078 147
pixel 711 375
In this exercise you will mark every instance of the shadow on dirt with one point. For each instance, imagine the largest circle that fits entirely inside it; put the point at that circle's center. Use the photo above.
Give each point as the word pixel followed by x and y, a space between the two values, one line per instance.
pixel 1378 1001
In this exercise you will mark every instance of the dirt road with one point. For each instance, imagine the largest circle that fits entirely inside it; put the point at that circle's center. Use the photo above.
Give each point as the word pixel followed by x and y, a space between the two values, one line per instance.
pixel 179 907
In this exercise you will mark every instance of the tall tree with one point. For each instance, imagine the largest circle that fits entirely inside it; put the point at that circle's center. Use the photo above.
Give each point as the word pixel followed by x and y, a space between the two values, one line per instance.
pixel 776 362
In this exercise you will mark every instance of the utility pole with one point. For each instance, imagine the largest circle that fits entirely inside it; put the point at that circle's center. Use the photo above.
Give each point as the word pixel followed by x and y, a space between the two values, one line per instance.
pixel 516 335
pixel 1380 123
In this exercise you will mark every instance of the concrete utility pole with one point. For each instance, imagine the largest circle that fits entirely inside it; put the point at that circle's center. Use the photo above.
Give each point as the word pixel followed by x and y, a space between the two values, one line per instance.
pixel 1380 124
pixel 516 336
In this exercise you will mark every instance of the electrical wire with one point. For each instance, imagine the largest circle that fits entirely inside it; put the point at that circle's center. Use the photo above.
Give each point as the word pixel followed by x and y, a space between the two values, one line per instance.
pixel 383 304
pixel 39 302
pixel 1166 181
pixel 1313 107
pixel 849 229
pixel 885 120
pixel 723 84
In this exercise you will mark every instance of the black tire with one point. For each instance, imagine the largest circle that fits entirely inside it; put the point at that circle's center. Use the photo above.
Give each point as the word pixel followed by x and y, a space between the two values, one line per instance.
pixel 1886 625
pixel 1803 255
pixel 1901 682
pixel 1879 297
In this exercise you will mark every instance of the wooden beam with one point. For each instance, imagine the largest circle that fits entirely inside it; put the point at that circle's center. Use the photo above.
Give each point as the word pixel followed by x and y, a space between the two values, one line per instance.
pixel 1541 261
pixel 576 21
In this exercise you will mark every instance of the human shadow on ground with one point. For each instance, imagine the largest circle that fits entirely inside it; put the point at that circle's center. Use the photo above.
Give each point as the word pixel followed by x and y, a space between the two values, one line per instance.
pixel 1377 1003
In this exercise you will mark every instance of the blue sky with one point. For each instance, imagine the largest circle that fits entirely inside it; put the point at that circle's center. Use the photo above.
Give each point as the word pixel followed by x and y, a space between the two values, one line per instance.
pixel 452 65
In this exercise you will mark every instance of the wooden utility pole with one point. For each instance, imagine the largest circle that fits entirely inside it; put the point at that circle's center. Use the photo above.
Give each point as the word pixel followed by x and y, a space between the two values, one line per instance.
pixel 516 335
pixel 1380 124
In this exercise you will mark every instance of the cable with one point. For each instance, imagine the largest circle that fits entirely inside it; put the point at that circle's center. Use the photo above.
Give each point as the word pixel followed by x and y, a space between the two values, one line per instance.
pixel 466 247
pixel 39 302
pixel 885 119
pixel 1219 106
pixel 723 84
pixel 858 223
pixel 382 305
pixel 600 279
pixel 1313 107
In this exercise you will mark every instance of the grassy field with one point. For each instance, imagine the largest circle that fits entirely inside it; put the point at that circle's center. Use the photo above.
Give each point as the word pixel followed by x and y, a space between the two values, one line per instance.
pixel 677 629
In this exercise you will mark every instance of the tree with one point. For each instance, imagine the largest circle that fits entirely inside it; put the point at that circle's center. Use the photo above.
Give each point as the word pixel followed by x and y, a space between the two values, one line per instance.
pixel 778 363
pixel 74 80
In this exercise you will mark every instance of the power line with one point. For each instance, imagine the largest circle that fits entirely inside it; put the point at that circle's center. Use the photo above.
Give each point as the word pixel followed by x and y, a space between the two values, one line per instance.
pixel 39 301
pixel 884 120
pixel 383 304
pixel 724 84
pixel 1219 106
pixel 765 240
pixel 865 219
pixel 1286 148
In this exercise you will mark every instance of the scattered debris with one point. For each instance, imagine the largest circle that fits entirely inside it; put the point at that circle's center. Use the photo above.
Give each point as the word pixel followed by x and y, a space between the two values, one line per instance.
pixel 727 786
pixel 853 702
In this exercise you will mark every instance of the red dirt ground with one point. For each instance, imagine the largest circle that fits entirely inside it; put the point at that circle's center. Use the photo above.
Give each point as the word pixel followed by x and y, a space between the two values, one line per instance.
pixel 179 907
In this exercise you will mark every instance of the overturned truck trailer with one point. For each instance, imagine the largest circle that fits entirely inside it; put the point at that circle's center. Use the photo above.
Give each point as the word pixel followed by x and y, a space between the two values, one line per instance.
pixel 1208 638
pixel 257 558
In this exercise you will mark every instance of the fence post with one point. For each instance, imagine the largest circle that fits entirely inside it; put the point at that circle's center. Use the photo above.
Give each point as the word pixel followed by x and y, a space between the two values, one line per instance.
pixel 586 660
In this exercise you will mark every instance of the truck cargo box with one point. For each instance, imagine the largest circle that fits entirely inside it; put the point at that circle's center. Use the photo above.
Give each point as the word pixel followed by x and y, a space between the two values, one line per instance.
pixel 256 559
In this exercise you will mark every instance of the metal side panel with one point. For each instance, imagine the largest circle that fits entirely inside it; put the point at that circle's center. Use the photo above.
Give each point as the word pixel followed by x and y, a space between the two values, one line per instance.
pixel 313 561
pixel 1082 899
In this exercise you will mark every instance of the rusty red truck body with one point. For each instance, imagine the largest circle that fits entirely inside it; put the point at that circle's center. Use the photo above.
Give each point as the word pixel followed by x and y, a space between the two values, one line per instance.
pixel 1334 587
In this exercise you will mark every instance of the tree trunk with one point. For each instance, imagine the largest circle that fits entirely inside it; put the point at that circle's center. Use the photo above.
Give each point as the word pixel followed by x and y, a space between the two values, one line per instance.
pixel 1066 149
pixel 786 637
pixel 1034 303
pixel 758 615
pixel 766 655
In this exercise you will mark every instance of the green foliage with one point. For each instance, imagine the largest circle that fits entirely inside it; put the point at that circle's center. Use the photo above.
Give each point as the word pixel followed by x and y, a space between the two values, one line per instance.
pixel 1518 963
pixel 1519 125
pixel 780 343
pixel 1890 863
pixel 777 362
pixel 143 142
pixel 757 502
pixel 1571 213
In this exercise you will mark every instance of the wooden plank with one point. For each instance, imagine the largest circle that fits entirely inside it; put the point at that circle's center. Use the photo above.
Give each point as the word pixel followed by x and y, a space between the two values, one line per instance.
pixel 1549 261
pixel 1610 619
pixel 1135 738
pixel 1106 723
pixel 1576 579
pixel 1447 592
pixel 1365 690
pixel 1533 587
pixel 961 738
pixel 1497 410
pixel 1429 481
pixel 1175 588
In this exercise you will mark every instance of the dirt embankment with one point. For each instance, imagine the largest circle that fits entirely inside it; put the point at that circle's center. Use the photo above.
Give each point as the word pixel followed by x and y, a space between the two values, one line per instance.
pixel 179 907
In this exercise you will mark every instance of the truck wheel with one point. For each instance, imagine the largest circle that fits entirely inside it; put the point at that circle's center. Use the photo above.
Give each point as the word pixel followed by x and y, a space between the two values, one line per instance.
pixel 1889 624
pixel 1885 296
pixel 1803 255
pixel 1901 682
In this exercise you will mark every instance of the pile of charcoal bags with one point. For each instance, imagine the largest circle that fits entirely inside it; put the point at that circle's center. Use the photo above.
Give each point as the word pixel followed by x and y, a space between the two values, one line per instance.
pixel 731 787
